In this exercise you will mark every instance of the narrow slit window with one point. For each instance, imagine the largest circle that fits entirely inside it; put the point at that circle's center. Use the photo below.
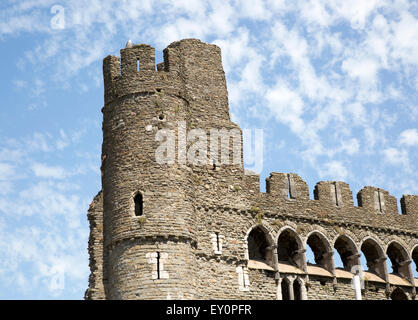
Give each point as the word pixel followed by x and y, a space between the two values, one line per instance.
pixel 336 194
pixel 137 65
pixel 158 265
pixel 243 280
pixel 139 205
pixel 379 200
pixel 291 192
pixel 217 242
pixel 245 284
pixel 289 187
pixel 379 203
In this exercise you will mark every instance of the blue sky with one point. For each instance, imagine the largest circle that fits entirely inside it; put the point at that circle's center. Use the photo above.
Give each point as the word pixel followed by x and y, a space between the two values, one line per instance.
pixel 333 84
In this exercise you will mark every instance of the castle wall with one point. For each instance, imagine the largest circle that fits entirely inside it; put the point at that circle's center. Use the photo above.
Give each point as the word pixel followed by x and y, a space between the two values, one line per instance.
pixel 194 237
pixel 95 249
pixel 219 279
pixel 134 270
pixel 234 248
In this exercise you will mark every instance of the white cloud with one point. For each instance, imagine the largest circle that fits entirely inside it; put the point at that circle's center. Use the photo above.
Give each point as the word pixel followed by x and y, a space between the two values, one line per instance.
pixel 222 18
pixel 315 12
pixel 62 141
pixel 6 171
pixel 286 105
pixel 396 157
pixel 350 146
pixel 38 142
pixel 20 84
pixel 38 87
pixel 256 10
pixel 404 44
pixel 45 171
pixel 7 175
pixel 365 69
pixel 409 137
pixel 50 264
pixel 334 170
pixel 356 11
pixel 357 113
pixel 235 50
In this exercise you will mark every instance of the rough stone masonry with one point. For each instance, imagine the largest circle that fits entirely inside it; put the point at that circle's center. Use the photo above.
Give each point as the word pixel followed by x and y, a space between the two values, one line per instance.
pixel 183 231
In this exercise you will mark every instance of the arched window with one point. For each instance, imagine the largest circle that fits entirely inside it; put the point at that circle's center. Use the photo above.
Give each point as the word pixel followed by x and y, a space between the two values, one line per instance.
pixel 285 289
pixel 399 260
pixel 398 294
pixel 257 245
pixel 346 250
pixel 374 256
pixel 290 249
pixel 321 250
pixel 415 262
pixel 139 205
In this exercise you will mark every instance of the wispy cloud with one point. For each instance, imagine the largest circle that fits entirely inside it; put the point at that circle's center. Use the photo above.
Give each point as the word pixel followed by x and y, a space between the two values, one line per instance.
pixel 396 157
pixel 334 170
pixel 45 171
pixel 409 137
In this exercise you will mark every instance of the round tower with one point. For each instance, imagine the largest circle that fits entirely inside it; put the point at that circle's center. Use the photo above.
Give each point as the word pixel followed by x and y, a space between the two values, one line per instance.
pixel 148 210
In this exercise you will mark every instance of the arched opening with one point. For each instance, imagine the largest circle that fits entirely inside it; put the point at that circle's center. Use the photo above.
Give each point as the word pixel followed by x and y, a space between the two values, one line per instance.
pixel 399 260
pixel 297 290
pixel 345 253
pixel 139 205
pixel 374 257
pixel 415 262
pixel 398 294
pixel 363 261
pixel 258 247
pixel 285 289
pixel 290 249
pixel 322 254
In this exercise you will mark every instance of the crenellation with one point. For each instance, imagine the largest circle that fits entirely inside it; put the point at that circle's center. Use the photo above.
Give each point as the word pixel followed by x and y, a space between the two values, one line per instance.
pixel 111 69
pixel 409 204
pixel 252 182
pixel 377 200
pixel 298 187
pixel 391 203
pixel 139 58
pixel 287 186
pixel 172 60
pixel 334 193
pixel 277 185
pixel 206 231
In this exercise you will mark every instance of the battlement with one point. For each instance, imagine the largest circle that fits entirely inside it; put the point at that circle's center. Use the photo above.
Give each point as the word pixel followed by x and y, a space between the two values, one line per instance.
pixel 287 185
pixel 337 194
pixel 191 69
pixel 135 72
pixel 139 58
pixel 409 204
pixel 377 199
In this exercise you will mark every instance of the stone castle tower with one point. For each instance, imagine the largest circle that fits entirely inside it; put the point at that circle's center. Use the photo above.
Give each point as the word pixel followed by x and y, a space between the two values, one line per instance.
pixel 177 230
